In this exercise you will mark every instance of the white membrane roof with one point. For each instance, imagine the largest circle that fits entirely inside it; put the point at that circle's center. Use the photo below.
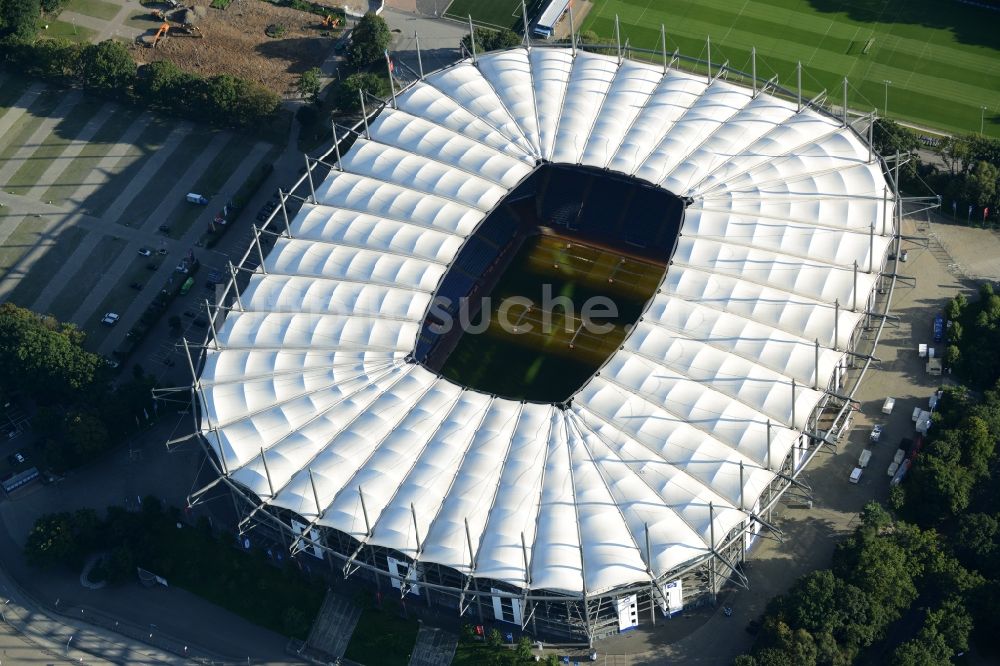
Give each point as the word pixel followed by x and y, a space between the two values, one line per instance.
pixel 310 395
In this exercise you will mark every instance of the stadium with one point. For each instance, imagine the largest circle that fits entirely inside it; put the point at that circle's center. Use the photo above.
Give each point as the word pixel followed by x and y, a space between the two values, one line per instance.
pixel 574 484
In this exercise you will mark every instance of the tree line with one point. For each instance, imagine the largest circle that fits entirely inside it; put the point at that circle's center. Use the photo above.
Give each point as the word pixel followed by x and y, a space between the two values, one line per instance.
pixel 108 70
pixel 970 175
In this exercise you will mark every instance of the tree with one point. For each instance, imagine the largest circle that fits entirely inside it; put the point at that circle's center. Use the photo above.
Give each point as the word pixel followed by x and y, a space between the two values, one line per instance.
pixel 86 435
pixel 524 648
pixel 161 83
pixel 981 184
pixel 107 67
pixel 51 541
pixel 369 40
pixel 309 84
pixel 491 40
pixel 18 18
pixel 346 95
pixel 42 356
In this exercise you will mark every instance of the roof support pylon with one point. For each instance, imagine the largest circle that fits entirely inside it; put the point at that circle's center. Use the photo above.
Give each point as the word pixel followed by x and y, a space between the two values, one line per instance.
pixel 836 324
pixel 236 289
pixel 793 403
pixel 871 138
pixel 260 250
pixel 798 76
pixel 524 20
pixel 420 60
pixel 572 30
pixel 267 472
pixel 708 45
pixel 312 186
pixel 336 144
pixel 472 42
pixel 282 198
pixel 211 324
pixel 854 294
pixel 364 114
pixel 845 101
pixel 312 483
pixel 769 444
pixel 618 37
pixel 753 69
pixel 816 374
pixel 742 504
pixel 663 45
pixel 388 66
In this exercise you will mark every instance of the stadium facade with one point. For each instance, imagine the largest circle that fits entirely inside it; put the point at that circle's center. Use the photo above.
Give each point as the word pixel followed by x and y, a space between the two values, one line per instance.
pixel 645 490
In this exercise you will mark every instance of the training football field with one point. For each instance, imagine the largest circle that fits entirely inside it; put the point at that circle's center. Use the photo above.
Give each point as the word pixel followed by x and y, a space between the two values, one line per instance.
pixel 498 13
pixel 942 59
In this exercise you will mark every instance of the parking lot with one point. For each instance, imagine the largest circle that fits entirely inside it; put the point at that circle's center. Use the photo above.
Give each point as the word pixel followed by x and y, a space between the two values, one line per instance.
pixel 85 185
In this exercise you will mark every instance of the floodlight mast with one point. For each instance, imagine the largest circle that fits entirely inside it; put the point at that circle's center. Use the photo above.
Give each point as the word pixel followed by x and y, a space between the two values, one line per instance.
pixel 472 41
pixel 708 45
pixel 420 63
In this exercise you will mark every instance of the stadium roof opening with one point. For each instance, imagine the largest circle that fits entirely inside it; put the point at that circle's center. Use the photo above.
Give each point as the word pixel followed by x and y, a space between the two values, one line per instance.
pixel 550 283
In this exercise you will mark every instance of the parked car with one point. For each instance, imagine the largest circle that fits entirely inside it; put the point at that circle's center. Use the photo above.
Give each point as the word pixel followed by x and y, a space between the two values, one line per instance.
pixel 876 433
pixel 152 266
pixel 164 229
pixel 110 319
pixel 181 267
pixel 136 285
pixel 145 252
pixel 162 252
pixel 16 458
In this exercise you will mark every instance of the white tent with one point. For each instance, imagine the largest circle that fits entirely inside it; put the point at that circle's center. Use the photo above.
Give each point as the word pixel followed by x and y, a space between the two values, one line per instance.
pixel 311 394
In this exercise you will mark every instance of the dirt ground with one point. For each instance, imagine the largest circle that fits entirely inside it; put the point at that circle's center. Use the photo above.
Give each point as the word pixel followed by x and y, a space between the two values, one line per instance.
pixel 234 43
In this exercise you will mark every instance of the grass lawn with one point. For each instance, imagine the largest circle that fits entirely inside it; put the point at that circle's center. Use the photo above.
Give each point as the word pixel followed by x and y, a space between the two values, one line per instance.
pixel 58 250
pixel 941 60
pixel 18 135
pixel 96 8
pixel 382 638
pixel 493 13
pixel 86 278
pixel 53 145
pixel 75 33
pixel 152 192
pixel 91 155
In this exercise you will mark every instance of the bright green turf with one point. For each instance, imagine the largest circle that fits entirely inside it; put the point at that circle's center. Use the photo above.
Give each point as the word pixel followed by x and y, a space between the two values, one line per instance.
pixel 943 59
pixel 71 31
pixel 494 13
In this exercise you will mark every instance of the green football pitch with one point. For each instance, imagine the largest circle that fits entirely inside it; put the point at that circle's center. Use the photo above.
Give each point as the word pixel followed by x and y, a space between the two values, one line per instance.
pixel 942 59
pixel 498 13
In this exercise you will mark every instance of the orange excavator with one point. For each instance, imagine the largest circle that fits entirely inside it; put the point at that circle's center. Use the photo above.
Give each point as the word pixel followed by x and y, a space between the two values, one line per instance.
pixel 162 32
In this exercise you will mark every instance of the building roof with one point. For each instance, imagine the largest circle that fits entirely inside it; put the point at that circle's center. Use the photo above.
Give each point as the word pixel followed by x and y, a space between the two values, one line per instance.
pixel 314 370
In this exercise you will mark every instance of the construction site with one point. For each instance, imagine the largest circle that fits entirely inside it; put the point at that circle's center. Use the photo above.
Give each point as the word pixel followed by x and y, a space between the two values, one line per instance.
pixel 251 39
